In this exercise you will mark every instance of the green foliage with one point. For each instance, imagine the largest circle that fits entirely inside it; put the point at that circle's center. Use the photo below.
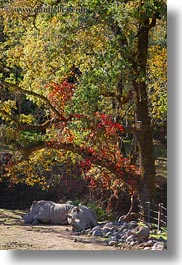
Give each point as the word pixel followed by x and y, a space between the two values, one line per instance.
pixel 40 48
pixel 30 138
pixel 162 233
pixel 101 213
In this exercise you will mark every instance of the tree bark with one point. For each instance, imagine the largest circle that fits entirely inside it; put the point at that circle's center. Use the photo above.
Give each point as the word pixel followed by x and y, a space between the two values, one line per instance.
pixel 142 119
pixel 145 146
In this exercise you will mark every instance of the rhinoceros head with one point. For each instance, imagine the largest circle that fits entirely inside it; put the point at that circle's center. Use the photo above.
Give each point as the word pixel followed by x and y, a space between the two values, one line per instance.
pixel 74 219
pixel 29 217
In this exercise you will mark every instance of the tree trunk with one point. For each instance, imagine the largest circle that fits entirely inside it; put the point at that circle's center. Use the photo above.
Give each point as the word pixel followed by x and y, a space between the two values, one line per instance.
pixel 142 119
pixel 133 155
pixel 145 146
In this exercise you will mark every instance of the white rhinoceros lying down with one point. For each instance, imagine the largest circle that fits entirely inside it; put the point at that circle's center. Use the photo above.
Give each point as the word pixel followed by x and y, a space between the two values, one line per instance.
pixel 81 218
pixel 47 212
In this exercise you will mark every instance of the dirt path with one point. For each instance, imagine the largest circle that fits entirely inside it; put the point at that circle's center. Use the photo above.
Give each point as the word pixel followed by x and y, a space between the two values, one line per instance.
pixel 15 235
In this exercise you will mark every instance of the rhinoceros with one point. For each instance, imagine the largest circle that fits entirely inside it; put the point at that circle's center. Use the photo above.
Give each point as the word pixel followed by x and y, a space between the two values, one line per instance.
pixel 48 212
pixel 81 218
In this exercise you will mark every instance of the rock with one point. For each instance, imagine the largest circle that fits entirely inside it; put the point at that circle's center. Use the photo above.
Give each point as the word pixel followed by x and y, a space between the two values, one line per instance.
pixel 124 237
pixel 130 238
pixel 147 248
pixel 125 230
pixel 112 243
pixel 133 224
pixel 141 240
pixel 149 243
pixel 105 230
pixel 122 228
pixel 158 246
pixel 95 228
pixel 108 227
pixel 132 243
pixel 97 233
pixel 113 238
pixel 109 224
pixel 105 243
pixel 116 223
pixel 128 233
pixel 142 232
pixel 122 233
pixel 122 240
pixel 117 235
pixel 108 234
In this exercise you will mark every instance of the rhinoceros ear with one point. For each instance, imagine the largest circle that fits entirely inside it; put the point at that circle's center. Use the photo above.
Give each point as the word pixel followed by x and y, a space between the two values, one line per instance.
pixel 33 203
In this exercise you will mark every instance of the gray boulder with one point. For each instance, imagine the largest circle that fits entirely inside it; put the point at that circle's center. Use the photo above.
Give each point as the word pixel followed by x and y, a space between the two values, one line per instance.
pixel 141 232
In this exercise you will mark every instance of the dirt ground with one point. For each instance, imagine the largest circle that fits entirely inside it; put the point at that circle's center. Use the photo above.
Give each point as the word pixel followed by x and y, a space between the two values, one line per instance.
pixel 15 235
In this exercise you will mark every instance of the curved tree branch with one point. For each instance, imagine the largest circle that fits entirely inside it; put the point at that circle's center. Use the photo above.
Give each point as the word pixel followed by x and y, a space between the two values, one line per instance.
pixel 94 158
pixel 37 127
pixel 32 93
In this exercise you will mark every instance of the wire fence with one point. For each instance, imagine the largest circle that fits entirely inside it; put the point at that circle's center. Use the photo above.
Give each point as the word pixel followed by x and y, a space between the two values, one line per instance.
pixel 153 213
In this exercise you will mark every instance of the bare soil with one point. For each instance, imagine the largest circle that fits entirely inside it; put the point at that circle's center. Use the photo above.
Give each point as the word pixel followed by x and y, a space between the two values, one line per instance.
pixel 15 235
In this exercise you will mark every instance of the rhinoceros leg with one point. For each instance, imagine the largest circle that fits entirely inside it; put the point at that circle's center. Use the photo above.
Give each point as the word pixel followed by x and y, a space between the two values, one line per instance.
pixel 65 222
pixel 40 218
pixel 28 218
pixel 35 222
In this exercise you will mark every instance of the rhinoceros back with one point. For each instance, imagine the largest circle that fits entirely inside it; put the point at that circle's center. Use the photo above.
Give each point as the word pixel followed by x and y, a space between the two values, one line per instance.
pixel 58 213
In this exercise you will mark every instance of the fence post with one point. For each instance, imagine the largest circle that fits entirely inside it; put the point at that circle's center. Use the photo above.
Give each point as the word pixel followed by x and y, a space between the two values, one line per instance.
pixel 159 215
pixel 141 210
pixel 148 212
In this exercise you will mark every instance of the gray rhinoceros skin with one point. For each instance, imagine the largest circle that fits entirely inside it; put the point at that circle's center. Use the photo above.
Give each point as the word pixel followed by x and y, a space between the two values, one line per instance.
pixel 47 212
pixel 81 218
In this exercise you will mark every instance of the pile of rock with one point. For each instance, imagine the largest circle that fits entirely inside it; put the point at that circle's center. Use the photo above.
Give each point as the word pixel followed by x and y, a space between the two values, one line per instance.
pixel 119 233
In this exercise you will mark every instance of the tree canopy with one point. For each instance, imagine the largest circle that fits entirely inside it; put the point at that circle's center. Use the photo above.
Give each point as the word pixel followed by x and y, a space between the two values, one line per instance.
pixel 76 77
